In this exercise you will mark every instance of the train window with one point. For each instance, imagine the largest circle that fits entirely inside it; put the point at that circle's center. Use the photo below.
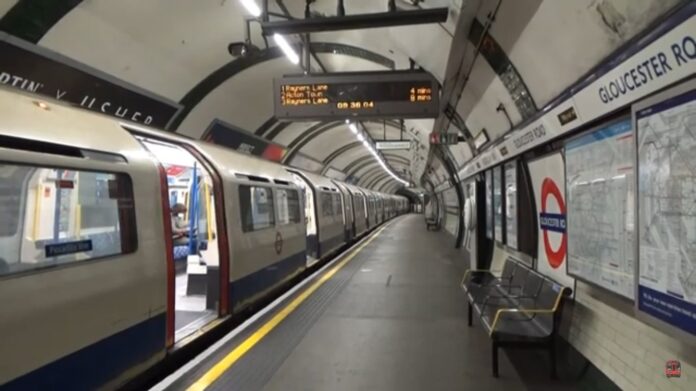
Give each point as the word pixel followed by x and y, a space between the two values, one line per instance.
pixel 288 206
pixel 338 207
pixel 57 216
pixel 327 209
pixel 257 208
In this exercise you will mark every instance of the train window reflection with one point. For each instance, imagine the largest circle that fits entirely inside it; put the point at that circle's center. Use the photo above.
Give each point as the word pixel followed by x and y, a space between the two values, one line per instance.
pixel 327 209
pixel 54 216
pixel 288 206
pixel 256 204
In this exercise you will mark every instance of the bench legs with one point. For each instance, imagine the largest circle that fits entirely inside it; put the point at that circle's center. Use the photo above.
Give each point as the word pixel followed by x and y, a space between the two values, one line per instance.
pixel 552 357
pixel 495 359
pixel 470 313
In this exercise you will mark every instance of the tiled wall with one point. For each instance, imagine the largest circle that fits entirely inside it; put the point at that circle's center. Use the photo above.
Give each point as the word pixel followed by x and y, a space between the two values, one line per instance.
pixel 631 353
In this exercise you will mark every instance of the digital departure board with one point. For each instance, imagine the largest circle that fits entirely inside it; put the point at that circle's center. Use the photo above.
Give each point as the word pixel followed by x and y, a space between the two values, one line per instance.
pixel 356 95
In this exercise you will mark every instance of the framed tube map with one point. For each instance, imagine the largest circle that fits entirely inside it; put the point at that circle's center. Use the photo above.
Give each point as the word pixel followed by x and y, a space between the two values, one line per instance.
pixel 666 209
pixel 599 185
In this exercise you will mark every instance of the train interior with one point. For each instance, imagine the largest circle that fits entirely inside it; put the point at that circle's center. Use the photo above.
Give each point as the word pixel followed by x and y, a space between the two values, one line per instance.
pixel 194 241
pixel 310 218
pixel 53 216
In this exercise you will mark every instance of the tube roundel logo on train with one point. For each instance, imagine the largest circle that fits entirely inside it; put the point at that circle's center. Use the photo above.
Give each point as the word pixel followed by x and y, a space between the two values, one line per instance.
pixel 278 243
pixel 553 222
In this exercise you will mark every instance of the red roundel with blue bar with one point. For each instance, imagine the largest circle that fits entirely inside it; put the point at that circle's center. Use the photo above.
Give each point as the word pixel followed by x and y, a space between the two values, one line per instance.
pixel 553 222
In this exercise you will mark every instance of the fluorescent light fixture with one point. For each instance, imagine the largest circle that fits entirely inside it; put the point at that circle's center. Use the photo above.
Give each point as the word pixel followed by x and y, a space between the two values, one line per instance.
pixel 286 48
pixel 361 137
pixel 366 144
pixel 251 7
pixel 353 128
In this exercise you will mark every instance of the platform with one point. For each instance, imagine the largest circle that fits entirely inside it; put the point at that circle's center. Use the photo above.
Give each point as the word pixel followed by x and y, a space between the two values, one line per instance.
pixel 387 315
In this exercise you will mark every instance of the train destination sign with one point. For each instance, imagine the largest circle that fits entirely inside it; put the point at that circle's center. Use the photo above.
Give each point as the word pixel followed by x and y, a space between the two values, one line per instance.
pixel 356 95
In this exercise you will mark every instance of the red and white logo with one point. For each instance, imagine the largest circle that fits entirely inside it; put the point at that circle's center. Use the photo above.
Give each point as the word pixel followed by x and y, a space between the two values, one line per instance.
pixel 553 223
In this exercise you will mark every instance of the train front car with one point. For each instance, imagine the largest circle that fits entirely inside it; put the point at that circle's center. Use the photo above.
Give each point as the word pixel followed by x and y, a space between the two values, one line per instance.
pixel 82 260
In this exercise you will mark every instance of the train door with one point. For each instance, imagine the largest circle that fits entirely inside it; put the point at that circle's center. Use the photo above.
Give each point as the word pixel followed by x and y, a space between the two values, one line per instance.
pixel 195 257
pixel 310 219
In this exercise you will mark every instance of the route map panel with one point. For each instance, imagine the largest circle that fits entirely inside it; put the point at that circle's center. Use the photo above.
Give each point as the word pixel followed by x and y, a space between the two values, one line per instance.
pixel 600 185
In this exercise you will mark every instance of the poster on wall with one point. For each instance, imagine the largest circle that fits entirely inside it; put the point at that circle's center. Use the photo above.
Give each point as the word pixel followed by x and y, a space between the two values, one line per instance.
pixel 497 204
pixel 40 71
pixel 548 183
pixel 600 182
pixel 511 204
pixel 666 174
pixel 489 204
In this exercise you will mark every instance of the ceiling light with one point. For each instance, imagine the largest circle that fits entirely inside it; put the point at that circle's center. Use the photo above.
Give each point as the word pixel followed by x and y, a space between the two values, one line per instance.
pixel 287 49
pixel 361 137
pixel 251 7
pixel 353 128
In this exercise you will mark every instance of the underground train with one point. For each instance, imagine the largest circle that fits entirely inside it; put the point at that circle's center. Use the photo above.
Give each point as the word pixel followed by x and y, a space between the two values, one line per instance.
pixel 120 243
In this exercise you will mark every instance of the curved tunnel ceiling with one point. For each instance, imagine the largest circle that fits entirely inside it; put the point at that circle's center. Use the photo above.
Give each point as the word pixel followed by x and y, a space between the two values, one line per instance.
pixel 489 54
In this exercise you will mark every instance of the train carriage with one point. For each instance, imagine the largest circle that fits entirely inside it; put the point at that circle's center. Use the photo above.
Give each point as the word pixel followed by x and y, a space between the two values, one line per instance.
pixel 122 243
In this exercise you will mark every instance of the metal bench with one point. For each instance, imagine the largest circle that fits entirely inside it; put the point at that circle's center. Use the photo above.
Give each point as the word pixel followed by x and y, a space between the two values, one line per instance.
pixel 520 308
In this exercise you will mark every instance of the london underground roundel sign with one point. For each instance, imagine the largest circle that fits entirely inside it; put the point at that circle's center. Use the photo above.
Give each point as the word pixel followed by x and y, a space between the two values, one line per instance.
pixel 551 223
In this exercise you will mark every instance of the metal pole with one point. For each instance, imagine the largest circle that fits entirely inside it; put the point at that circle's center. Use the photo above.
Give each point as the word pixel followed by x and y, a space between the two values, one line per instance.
pixel 306 54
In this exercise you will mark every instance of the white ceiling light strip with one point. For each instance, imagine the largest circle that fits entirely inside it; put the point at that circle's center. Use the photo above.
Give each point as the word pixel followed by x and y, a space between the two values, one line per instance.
pixel 251 7
pixel 286 48
pixel 365 140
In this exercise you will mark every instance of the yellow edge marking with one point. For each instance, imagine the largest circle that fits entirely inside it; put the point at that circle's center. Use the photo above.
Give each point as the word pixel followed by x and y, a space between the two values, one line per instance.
pixel 223 365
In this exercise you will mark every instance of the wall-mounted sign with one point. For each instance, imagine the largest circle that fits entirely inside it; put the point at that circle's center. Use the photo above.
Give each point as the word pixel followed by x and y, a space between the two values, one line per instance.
pixel 406 94
pixel 391 145
pixel 661 62
pixel 230 136
pixel 481 139
pixel 37 70
pixel 444 138
pixel 548 181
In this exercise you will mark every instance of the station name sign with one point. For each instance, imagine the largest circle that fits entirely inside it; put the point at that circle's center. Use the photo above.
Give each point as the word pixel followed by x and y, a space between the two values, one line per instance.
pixel 392 145
pixel 356 95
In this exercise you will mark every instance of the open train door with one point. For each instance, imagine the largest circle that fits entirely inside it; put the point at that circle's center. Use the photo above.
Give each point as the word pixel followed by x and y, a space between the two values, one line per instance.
pixel 310 217
pixel 198 256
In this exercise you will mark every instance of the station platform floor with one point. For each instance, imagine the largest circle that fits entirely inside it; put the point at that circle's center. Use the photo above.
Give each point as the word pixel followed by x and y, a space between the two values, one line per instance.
pixel 388 314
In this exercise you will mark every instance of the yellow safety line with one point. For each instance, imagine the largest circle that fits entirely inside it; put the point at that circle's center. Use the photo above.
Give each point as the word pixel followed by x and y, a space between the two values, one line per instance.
pixel 223 365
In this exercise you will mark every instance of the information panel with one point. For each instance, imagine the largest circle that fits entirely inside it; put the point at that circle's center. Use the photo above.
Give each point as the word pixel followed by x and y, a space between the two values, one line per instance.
pixel 511 204
pixel 498 204
pixel 600 185
pixel 356 95
pixel 666 212
pixel 489 204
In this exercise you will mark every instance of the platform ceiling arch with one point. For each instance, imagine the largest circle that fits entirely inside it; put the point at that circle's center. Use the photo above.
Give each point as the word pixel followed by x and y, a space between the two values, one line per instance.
pixel 489 54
